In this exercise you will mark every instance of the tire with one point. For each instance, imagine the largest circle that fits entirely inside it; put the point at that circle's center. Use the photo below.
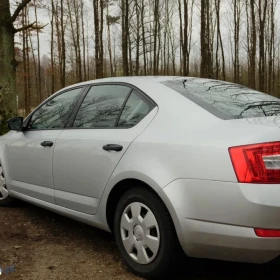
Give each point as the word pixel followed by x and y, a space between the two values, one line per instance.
pixel 5 199
pixel 141 213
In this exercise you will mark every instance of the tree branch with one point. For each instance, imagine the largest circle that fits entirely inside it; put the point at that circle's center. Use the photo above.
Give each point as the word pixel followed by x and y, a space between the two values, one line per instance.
pixel 19 9
pixel 30 26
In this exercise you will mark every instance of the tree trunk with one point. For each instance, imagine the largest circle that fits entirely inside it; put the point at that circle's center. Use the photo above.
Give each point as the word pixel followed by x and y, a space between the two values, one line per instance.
pixel 63 51
pixel 156 22
pixel 253 47
pixel 110 43
pixel 83 43
pixel 185 49
pixel 143 36
pixel 236 66
pixel 182 58
pixel 24 35
pixel 137 58
pixel 98 28
pixel 27 74
pixel 8 105
pixel 262 23
pixel 78 44
pixel 206 69
pixel 39 93
pixel 52 50
pixel 271 51
pixel 125 30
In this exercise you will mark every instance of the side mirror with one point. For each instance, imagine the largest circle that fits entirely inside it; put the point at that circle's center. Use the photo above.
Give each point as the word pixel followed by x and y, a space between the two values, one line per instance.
pixel 15 123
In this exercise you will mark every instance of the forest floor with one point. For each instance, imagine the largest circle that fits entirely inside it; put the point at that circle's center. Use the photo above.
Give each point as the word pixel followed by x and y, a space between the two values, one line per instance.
pixel 38 244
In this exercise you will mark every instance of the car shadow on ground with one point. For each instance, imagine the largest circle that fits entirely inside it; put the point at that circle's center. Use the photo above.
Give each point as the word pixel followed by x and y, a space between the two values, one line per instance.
pixel 202 269
pixel 191 269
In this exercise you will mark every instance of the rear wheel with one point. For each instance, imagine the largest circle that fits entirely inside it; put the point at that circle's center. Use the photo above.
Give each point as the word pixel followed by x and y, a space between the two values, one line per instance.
pixel 145 234
pixel 5 199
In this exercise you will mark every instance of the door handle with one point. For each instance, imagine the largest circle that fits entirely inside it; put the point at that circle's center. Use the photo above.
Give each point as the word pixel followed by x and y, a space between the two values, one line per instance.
pixel 112 147
pixel 47 144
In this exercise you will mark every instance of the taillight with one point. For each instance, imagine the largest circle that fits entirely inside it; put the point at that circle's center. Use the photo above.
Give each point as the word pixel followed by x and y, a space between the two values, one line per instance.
pixel 258 163
pixel 267 232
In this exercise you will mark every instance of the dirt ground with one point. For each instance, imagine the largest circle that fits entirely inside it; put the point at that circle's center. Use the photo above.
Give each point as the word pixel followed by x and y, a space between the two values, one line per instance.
pixel 38 244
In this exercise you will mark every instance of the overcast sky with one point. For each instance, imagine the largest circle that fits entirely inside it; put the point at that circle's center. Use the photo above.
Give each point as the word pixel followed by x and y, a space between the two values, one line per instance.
pixel 226 23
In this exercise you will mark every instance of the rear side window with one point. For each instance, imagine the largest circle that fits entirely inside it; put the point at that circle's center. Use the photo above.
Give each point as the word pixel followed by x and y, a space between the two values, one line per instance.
pixel 226 100
pixel 134 111
pixel 102 106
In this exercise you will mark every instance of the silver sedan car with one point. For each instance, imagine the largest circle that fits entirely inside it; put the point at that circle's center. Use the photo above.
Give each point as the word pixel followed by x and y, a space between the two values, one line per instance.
pixel 165 163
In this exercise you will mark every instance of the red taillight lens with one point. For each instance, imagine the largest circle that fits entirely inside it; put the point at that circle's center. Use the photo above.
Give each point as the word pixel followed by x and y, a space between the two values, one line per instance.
pixel 267 232
pixel 258 163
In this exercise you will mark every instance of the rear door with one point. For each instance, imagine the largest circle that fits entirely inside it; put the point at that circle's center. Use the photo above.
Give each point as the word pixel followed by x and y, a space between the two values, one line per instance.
pixel 110 117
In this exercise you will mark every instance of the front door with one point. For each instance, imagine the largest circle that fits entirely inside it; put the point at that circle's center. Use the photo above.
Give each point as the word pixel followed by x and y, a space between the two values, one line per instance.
pixel 30 155
pixel 85 155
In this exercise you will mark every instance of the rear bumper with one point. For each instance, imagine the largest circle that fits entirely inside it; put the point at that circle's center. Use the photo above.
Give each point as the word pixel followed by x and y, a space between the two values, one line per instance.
pixel 227 242
pixel 217 219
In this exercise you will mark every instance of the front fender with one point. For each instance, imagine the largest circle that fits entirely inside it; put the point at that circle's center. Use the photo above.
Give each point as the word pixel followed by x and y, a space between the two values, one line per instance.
pixel 5 140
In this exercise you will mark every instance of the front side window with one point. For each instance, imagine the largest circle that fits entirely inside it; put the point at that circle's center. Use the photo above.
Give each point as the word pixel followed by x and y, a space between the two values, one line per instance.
pixel 55 113
pixel 102 106
pixel 134 111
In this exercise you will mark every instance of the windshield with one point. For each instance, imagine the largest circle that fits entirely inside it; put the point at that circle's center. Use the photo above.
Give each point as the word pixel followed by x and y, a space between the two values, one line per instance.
pixel 226 100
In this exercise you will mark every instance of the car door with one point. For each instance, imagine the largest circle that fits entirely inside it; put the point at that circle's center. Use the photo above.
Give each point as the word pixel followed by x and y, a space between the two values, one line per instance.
pixel 110 117
pixel 30 154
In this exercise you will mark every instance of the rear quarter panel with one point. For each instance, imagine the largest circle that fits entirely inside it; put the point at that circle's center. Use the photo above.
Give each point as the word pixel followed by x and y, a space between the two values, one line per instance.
pixel 184 141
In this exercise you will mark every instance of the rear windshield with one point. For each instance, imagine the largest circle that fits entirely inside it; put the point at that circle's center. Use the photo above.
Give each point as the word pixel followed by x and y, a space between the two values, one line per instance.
pixel 226 100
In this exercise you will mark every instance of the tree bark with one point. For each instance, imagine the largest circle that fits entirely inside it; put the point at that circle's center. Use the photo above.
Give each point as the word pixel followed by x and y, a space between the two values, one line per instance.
pixel 63 51
pixel 185 50
pixel 39 93
pixel 8 106
pixel 8 95
pixel 155 30
pixel 143 36
pixel 206 68
pixel 271 49
pixel 98 28
pixel 125 30
pixel 262 24
pixel 252 37
pixel 52 49
pixel 236 13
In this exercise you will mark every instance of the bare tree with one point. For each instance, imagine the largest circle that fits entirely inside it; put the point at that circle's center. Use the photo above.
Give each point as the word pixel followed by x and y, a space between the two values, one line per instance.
pixel 38 79
pixel 98 28
pixel 206 69
pixel 125 35
pixel 237 22
pixel 271 47
pixel 262 23
pixel 52 47
pixel 251 42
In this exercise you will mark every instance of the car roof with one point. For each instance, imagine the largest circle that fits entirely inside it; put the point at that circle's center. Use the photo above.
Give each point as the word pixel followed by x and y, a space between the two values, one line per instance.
pixel 146 79
pixel 130 80
pixel 152 86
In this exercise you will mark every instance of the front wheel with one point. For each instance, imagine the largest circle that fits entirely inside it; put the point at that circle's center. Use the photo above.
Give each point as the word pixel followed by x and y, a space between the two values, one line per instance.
pixel 5 199
pixel 145 233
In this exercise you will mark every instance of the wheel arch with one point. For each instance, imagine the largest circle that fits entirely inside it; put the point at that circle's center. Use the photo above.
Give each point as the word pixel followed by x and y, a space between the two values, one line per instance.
pixel 3 161
pixel 116 193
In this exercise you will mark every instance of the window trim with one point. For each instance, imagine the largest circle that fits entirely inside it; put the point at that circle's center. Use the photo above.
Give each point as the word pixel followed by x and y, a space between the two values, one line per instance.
pixel 27 120
pixel 133 88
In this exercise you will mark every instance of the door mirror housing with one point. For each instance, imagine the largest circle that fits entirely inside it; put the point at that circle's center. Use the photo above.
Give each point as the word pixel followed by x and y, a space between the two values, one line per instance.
pixel 15 123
